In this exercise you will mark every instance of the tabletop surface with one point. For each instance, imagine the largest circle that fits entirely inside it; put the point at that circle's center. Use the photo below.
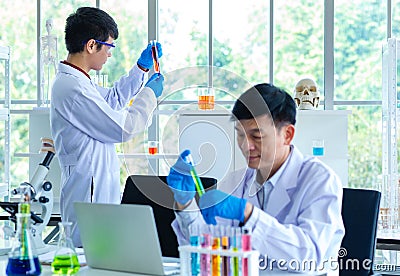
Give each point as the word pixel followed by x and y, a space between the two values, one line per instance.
pixel 88 271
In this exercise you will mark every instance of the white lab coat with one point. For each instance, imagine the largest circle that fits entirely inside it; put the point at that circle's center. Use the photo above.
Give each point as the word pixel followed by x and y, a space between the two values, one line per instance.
pixel 86 120
pixel 302 220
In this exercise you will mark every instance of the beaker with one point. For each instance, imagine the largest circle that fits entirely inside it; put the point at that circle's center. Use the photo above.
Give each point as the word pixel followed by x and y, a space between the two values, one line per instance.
pixel 65 258
pixel 318 148
pixel 152 147
pixel 22 259
pixel 206 98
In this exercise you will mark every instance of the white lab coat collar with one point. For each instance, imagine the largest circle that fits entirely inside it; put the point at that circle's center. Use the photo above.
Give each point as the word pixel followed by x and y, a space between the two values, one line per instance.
pixel 279 197
pixel 281 182
pixel 67 69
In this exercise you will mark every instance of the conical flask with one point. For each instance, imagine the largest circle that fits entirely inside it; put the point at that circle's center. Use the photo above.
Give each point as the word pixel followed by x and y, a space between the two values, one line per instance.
pixel 65 258
pixel 22 258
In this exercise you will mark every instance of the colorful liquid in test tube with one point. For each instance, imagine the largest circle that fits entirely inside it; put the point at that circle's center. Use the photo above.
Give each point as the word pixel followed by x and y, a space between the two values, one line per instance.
pixel 225 246
pixel 196 179
pixel 216 258
pixel 154 53
pixel 246 246
pixel 205 257
pixel 236 238
pixel 195 257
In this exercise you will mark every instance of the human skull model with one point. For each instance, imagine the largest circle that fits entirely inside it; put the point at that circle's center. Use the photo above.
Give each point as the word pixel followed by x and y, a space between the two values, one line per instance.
pixel 306 94
pixel 49 25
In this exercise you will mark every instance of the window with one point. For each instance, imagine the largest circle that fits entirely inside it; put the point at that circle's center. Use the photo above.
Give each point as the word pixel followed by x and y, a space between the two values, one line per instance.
pixel 251 41
pixel 298 43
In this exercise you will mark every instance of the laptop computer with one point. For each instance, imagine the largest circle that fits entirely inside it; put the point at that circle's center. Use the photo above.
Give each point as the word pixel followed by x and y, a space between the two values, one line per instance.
pixel 153 190
pixel 122 237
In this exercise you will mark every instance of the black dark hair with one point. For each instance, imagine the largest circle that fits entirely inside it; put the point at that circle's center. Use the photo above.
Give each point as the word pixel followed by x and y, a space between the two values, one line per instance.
pixel 88 23
pixel 266 99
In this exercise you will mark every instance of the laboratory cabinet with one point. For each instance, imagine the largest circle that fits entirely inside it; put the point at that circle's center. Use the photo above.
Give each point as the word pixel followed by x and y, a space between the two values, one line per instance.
pixel 211 137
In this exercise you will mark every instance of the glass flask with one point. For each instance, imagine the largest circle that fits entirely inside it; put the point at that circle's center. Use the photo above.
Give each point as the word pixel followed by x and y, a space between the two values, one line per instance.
pixel 22 259
pixel 65 258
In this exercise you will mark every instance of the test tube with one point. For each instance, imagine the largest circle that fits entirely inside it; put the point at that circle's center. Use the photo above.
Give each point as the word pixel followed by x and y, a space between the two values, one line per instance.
pixel 195 241
pixel 216 245
pixel 196 179
pixel 246 246
pixel 154 52
pixel 236 238
pixel 205 257
pixel 225 246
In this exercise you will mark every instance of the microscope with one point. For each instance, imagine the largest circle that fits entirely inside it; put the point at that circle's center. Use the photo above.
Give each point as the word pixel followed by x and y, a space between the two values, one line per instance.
pixel 41 200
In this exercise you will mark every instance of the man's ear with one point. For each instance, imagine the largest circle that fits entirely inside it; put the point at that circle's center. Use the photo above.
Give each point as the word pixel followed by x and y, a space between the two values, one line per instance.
pixel 289 131
pixel 90 46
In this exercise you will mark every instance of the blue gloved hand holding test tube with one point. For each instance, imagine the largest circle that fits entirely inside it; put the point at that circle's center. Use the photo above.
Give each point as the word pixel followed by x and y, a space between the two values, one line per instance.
pixel 183 179
pixel 146 57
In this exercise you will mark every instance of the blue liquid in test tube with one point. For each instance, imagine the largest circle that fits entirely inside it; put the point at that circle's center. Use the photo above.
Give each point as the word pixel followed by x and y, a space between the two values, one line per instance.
pixel 195 257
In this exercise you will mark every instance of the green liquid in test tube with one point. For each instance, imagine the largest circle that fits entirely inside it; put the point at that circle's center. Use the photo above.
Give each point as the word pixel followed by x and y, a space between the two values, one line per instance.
pixel 196 178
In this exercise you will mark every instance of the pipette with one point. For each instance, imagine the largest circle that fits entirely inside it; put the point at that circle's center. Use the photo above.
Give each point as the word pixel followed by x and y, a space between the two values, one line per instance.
pixel 196 179
pixel 155 56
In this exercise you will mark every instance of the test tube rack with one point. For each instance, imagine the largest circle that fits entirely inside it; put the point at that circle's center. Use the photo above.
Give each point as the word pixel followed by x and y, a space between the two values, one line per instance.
pixel 186 250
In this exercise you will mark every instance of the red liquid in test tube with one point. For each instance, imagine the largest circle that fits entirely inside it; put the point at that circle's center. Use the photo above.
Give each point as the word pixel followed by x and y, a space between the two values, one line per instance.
pixel 246 246
pixel 154 53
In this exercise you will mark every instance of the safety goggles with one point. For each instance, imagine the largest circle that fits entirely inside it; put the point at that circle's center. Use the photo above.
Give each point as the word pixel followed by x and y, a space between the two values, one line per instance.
pixel 110 46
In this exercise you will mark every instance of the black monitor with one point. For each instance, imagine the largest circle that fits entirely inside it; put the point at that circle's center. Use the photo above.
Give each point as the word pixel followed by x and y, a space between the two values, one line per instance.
pixel 153 191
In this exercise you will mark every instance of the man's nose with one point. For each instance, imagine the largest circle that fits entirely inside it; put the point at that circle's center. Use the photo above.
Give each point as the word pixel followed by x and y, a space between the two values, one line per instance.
pixel 248 144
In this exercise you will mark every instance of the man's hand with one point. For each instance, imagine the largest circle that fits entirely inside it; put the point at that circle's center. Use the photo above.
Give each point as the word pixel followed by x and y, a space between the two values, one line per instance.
pixel 146 59
pixel 156 83
pixel 216 203
pixel 180 180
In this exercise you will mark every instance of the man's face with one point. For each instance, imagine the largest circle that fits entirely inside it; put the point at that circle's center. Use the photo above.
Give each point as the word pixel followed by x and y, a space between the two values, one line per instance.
pixel 261 144
pixel 102 55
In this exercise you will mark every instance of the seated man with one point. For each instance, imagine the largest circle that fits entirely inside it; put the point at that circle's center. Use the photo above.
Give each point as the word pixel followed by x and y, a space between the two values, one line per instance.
pixel 290 202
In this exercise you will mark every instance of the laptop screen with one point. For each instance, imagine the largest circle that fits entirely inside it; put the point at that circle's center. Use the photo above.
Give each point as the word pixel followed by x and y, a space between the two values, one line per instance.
pixel 120 237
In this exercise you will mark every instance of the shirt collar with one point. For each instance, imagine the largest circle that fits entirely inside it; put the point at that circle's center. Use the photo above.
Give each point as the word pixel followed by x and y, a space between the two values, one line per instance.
pixel 274 179
pixel 76 67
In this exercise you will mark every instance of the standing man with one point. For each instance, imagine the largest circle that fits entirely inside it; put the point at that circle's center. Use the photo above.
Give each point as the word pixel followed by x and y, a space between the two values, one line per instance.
pixel 87 120
pixel 290 202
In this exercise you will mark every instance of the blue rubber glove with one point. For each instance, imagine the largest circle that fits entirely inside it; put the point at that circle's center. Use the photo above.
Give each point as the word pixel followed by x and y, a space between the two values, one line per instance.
pixel 156 83
pixel 216 203
pixel 146 59
pixel 180 180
